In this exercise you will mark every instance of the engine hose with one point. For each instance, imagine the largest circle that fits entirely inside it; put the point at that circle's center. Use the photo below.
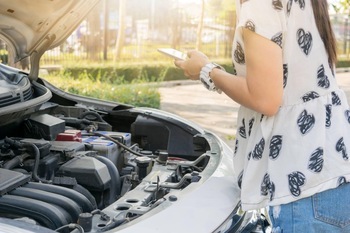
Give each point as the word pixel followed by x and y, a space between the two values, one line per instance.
pixel 86 193
pixel 36 151
pixel 15 161
pixel 5 150
pixel 36 162
pixel 115 141
pixel 115 178
pixel 76 123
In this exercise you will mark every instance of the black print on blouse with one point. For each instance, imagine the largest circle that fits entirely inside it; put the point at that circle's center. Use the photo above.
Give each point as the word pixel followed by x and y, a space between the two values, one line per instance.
pixel 267 186
pixel 285 75
pixel 322 78
pixel 258 150
pixel 341 181
pixel 316 161
pixel 278 39
pixel 306 122
pixel 335 99
pixel 239 54
pixel 264 188
pixel 341 148
pixel 289 6
pixel 310 96
pixel 272 190
pixel 301 3
pixel 328 115
pixel 236 147
pixel 347 115
pixel 262 117
pixel 277 4
pixel 296 180
pixel 250 25
pixel 251 123
pixel 304 41
pixel 275 146
pixel 290 3
pixel 241 130
pixel 234 72
pixel 240 178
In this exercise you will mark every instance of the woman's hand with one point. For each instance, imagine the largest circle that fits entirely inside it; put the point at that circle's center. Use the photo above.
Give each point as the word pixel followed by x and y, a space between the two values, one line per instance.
pixel 262 87
pixel 193 64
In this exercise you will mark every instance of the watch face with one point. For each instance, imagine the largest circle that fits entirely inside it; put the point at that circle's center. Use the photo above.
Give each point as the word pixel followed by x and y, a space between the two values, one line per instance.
pixel 214 65
pixel 210 66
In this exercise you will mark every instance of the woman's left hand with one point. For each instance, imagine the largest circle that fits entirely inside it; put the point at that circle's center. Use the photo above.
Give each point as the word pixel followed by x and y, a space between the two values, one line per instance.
pixel 193 64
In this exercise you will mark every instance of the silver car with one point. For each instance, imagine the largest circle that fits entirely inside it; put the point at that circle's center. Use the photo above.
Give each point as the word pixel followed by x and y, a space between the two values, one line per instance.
pixel 75 164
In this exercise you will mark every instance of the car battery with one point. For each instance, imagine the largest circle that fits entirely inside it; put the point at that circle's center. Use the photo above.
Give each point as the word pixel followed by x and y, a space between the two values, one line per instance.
pixel 108 148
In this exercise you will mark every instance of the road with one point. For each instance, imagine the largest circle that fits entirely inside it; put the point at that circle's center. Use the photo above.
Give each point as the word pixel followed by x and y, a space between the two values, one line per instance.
pixel 213 111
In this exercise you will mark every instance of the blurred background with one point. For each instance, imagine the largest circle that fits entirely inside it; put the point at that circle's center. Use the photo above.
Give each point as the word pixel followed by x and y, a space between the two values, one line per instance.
pixel 132 30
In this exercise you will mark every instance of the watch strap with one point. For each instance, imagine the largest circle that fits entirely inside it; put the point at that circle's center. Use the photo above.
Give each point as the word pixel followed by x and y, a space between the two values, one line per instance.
pixel 205 78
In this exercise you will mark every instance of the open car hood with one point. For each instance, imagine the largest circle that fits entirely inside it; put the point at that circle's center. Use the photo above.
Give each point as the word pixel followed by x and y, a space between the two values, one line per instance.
pixel 32 27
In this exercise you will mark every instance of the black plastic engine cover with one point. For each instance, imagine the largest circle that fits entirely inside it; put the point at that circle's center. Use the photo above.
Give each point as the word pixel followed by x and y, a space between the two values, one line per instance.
pixel 88 171
pixel 10 180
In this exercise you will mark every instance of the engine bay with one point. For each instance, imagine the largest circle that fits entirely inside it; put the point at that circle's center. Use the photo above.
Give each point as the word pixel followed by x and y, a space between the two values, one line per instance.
pixel 69 162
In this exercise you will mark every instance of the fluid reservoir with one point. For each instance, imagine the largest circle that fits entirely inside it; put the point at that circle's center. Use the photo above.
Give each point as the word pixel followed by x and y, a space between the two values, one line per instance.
pixel 142 164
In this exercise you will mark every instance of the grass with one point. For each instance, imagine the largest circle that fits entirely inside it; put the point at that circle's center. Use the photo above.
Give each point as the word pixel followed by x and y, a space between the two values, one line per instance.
pixel 134 93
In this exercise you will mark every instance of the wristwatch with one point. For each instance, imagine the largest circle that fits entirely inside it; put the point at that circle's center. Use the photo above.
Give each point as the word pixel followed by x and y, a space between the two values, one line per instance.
pixel 204 76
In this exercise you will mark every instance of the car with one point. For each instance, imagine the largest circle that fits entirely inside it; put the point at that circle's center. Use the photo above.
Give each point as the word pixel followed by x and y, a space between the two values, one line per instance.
pixel 70 163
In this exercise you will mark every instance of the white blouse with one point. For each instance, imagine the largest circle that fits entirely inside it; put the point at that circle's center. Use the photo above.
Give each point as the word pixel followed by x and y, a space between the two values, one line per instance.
pixel 303 149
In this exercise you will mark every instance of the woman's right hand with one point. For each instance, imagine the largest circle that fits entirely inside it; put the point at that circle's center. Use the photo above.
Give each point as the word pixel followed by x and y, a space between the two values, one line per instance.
pixel 193 64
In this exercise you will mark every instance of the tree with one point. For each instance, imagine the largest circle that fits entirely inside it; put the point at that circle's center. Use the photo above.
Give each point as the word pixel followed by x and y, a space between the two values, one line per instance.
pixel 94 36
pixel 121 30
pixel 176 25
pixel 224 13
pixel 200 27
pixel 343 7
pixel 219 8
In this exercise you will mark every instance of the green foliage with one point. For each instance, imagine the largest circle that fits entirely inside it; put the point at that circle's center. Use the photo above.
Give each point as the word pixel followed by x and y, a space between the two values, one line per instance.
pixel 134 73
pixel 135 93
pixel 343 62
pixel 341 6
pixel 3 56
pixel 130 84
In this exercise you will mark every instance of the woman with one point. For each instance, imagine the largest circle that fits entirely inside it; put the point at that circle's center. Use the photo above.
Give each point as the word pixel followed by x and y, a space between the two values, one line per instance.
pixel 293 133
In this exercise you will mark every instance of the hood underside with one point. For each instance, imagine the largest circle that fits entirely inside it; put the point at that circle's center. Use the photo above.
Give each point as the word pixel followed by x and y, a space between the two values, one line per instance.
pixel 30 27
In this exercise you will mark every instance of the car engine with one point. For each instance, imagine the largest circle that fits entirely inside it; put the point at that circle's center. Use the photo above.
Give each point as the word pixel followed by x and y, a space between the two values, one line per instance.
pixel 66 159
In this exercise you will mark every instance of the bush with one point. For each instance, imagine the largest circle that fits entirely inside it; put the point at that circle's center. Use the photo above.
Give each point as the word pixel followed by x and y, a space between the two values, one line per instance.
pixel 144 72
pixel 343 63
pixel 128 72
pixel 133 93
pixel 125 83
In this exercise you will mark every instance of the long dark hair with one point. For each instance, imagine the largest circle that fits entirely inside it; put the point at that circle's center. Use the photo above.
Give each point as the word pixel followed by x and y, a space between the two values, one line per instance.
pixel 320 8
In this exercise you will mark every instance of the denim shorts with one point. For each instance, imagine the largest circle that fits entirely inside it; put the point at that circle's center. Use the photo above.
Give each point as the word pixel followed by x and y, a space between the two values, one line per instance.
pixel 325 212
